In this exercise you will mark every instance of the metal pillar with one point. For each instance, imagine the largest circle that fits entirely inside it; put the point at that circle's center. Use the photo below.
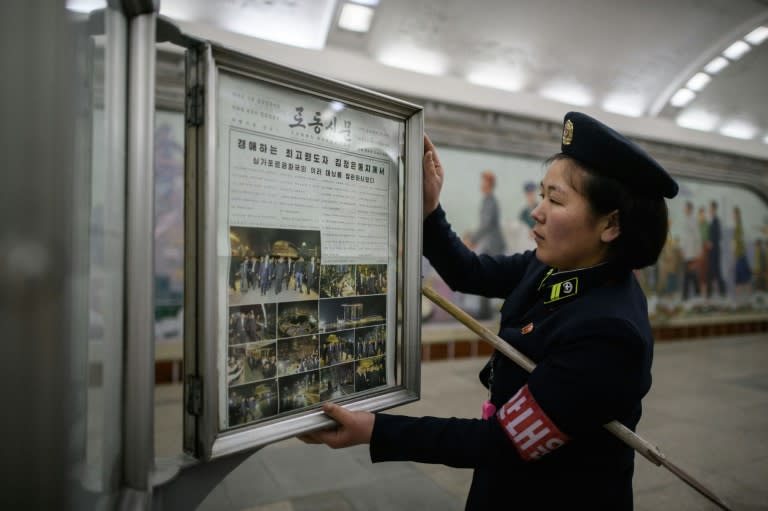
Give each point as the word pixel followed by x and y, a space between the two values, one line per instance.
pixel 115 96
pixel 138 437
pixel 40 274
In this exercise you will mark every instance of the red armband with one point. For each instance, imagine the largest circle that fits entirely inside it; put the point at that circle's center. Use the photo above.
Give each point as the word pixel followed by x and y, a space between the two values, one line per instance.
pixel 528 427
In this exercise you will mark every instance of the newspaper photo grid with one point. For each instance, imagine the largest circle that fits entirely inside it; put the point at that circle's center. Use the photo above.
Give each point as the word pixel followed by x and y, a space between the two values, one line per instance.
pixel 308 193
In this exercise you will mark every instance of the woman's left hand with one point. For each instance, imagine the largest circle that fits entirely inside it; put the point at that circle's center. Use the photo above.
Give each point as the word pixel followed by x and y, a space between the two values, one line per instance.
pixel 434 175
pixel 353 428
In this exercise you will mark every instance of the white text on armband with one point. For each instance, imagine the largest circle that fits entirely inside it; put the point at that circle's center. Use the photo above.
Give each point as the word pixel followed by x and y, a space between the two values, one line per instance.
pixel 531 431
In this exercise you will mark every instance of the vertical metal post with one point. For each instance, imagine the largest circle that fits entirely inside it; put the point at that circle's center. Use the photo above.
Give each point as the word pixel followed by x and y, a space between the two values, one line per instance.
pixel 138 437
pixel 39 236
pixel 115 119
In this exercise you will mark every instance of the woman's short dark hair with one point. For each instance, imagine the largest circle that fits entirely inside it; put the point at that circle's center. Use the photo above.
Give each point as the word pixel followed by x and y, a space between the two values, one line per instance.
pixel 643 220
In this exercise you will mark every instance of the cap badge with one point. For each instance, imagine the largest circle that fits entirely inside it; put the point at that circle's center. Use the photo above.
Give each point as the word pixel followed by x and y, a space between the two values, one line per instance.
pixel 568 132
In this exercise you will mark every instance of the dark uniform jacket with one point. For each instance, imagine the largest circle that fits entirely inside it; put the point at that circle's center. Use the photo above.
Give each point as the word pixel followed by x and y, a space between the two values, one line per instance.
pixel 589 335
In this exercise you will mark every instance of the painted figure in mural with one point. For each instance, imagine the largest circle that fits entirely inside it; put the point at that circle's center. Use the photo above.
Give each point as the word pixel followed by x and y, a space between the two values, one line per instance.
pixel 760 270
pixel 530 204
pixel 713 244
pixel 488 239
pixel 742 273
pixel 704 258
pixel 690 248
pixel 669 265
pixel 573 306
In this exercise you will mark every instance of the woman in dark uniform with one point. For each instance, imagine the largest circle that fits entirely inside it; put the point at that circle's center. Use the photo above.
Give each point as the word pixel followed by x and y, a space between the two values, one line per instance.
pixel 574 307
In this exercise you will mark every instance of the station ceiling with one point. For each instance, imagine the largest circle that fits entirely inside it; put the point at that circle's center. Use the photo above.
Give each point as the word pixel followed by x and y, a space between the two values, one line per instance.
pixel 626 57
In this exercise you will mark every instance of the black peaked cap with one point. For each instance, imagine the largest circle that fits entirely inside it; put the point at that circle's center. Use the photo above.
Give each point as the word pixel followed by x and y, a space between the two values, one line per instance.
pixel 610 153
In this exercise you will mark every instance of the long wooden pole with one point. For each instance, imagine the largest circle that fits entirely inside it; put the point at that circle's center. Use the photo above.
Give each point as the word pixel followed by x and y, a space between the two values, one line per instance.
pixel 649 451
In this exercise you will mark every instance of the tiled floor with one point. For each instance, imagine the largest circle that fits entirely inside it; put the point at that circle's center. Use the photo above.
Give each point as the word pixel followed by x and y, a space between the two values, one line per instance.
pixel 708 411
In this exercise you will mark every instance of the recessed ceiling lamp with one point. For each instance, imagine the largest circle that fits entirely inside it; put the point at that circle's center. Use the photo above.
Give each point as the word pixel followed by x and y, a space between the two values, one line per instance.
pixel 632 105
pixel 733 52
pixel 716 65
pixel 413 58
pixel 697 120
pixel 356 18
pixel 85 5
pixel 739 129
pixel 371 3
pixel 736 50
pixel 304 24
pixel 698 81
pixel 682 97
pixel 568 92
pixel 496 78
pixel 757 36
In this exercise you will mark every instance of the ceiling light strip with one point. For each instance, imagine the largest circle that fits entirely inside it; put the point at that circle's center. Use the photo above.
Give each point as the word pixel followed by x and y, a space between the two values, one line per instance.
pixel 709 64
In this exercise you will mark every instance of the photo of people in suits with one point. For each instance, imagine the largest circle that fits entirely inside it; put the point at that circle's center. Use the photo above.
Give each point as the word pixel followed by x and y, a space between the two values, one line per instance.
pixel 299 391
pixel 273 265
pixel 251 323
pixel 251 402
pixel 337 381
pixel 337 280
pixel 337 348
pixel 370 373
pixel 298 355
pixel 253 362
pixel 371 279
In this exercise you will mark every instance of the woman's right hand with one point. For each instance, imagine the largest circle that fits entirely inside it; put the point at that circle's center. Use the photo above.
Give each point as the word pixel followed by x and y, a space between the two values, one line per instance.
pixel 433 177
pixel 352 428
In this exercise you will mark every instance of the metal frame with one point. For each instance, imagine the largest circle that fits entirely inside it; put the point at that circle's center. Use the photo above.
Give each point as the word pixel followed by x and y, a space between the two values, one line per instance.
pixel 115 106
pixel 203 438
pixel 138 443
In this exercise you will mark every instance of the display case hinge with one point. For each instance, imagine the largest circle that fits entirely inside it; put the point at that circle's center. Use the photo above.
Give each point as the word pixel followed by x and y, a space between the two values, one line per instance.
pixel 194 395
pixel 195 101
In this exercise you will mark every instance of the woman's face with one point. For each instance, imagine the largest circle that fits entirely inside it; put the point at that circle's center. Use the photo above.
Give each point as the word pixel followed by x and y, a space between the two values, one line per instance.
pixel 568 235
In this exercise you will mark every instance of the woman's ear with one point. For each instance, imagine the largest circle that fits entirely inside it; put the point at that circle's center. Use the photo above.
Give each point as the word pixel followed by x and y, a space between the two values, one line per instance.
pixel 611 228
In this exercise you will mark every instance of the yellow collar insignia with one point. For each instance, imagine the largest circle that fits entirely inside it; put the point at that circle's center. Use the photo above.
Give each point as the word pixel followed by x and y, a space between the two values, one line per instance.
pixel 564 289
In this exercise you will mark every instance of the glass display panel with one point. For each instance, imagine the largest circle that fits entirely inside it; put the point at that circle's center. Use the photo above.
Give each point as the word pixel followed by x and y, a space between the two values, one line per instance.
pixel 303 268
pixel 308 246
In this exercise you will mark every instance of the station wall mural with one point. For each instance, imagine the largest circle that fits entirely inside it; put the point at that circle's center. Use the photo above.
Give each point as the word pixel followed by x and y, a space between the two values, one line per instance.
pixel 714 260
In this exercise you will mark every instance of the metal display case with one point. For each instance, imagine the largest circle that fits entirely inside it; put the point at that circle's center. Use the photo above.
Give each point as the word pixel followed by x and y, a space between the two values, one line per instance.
pixel 303 251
